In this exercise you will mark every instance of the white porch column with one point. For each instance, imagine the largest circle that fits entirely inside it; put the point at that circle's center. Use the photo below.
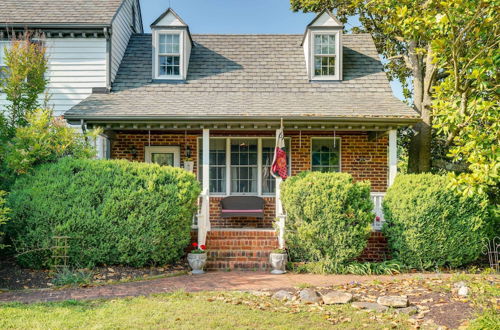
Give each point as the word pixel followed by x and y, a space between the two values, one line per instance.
pixel 204 221
pixel 279 210
pixel 393 155
pixel 102 146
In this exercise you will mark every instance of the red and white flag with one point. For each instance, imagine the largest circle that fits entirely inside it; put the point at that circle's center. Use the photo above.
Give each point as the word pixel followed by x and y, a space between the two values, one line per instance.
pixel 279 166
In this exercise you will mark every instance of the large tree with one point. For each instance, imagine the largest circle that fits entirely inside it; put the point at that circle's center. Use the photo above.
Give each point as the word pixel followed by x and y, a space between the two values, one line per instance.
pixel 402 31
pixel 22 80
pixel 466 102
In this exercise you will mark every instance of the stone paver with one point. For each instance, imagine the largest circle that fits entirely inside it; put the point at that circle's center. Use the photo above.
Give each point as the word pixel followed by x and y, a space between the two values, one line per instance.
pixel 212 281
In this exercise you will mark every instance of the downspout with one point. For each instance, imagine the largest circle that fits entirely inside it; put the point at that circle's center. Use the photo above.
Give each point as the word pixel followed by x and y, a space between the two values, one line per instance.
pixel 109 58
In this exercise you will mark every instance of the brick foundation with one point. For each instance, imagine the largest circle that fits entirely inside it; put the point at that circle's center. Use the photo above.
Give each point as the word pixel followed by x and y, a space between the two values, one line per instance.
pixel 377 248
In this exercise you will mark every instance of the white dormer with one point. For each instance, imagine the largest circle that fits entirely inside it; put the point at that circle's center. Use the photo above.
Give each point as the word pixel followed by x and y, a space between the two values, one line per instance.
pixel 323 47
pixel 171 47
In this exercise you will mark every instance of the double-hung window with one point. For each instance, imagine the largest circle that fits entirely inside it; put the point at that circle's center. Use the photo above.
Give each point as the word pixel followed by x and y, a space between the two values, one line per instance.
pixel 325 55
pixel 169 55
pixel 241 166
pixel 244 166
pixel 325 154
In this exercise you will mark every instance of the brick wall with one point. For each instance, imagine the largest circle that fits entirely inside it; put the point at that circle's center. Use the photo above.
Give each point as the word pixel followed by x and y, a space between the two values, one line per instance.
pixel 123 142
pixel 377 248
pixel 235 222
pixel 363 159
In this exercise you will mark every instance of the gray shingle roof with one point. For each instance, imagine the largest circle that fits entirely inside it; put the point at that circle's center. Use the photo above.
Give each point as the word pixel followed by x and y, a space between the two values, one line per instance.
pixel 32 12
pixel 249 76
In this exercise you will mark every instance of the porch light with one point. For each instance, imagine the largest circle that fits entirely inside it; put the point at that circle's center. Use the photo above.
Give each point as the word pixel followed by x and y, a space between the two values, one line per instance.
pixel 133 151
pixel 188 152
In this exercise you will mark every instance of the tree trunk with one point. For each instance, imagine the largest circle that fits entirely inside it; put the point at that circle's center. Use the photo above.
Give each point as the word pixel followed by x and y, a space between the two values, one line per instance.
pixel 419 151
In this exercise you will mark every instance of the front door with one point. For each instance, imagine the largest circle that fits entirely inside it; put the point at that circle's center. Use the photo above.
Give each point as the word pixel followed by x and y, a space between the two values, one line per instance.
pixel 165 156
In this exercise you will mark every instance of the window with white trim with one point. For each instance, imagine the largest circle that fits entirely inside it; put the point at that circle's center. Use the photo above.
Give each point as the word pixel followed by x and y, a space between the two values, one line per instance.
pixel 243 162
pixel 325 154
pixel 169 55
pixel 325 55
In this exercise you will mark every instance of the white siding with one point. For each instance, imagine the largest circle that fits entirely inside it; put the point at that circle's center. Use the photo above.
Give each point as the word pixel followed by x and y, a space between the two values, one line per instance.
pixel 75 67
pixel 122 30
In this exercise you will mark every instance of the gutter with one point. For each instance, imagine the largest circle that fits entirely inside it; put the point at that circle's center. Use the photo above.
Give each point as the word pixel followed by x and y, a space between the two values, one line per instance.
pixel 304 119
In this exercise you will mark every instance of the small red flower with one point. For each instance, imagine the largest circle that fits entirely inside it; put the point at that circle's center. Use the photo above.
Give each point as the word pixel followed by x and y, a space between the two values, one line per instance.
pixel 377 218
pixel 195 244
pixel 203 247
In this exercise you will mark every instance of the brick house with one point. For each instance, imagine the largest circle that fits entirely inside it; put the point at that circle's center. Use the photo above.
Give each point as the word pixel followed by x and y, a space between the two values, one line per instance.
pixel 213 103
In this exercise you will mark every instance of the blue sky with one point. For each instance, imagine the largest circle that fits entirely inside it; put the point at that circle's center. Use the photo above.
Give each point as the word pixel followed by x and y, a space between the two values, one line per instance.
pixel 235 16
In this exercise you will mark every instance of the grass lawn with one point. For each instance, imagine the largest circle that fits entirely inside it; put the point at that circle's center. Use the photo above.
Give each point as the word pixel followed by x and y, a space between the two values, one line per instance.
pixel 229 310
pixel 185 310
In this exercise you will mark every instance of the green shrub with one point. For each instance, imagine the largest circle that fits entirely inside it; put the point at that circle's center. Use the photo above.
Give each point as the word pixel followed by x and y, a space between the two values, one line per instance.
pixel 3 216
pixel 328 217
pixel 45 139
pixel 388 267
pixel 70 277
pixel 429 224
pixel 115 212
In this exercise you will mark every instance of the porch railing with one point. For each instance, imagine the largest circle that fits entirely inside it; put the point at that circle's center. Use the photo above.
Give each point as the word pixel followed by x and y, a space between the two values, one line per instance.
pixel 377 198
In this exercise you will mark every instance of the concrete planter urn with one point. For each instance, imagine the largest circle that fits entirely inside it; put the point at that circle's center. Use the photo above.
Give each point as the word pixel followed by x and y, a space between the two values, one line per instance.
pixel 278 260
pixel 197 262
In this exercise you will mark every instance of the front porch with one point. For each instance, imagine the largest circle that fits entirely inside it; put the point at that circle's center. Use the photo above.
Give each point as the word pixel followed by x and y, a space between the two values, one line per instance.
pixel 236 162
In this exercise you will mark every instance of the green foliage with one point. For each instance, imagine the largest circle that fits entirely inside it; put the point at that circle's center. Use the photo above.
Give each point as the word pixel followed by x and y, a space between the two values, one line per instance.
pixel 4 211
pixel 115 212
pixel 390 267
pixel 466 101
pixel 429 224
pixel 23 80
pixel 328 217
pixel 72 277
pixel 45 139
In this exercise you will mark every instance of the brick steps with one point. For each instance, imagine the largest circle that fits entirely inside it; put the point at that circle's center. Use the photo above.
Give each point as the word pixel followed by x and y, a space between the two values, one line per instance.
pixel 240 249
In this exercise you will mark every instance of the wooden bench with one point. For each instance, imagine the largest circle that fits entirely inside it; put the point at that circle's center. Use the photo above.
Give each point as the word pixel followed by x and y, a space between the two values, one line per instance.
pixel 242 206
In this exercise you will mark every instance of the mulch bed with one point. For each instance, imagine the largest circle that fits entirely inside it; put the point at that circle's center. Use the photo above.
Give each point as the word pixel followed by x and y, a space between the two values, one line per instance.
pixel 13 277
pixel 440 304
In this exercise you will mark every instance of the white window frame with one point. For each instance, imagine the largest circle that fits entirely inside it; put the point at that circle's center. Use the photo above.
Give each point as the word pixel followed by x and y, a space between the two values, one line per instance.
pixel 157 55
pixel 339 141
pixel 3 44
pixel 338 58
pixel 176 150
pixel 259 164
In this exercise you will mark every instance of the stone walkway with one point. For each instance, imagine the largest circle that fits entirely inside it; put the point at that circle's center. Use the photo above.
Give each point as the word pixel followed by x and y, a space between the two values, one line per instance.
pixel 212 281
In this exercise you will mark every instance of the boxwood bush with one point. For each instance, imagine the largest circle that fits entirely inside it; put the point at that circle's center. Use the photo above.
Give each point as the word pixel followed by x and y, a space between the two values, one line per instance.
pixel 114 211
pixel 429 224
pixel 328 218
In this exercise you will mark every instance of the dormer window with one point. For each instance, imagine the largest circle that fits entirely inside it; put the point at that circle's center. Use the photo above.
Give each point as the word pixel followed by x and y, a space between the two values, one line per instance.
pixel 169 56
pixel 323 47
pixel 172 47
pixel 324 55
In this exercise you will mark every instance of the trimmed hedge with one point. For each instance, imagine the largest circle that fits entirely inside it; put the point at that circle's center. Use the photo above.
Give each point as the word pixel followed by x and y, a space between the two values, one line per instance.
pixel 114 211
pixel 429 224
pixel 328 217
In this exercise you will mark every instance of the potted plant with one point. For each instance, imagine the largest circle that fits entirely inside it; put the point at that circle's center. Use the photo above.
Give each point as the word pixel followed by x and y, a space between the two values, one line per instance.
pixel 197 258
pixel 278 259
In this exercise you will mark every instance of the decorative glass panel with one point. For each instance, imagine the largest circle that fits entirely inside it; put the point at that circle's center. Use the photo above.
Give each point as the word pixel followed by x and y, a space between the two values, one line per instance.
pixel 164 159
pixel 243 166
pixel 325 155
